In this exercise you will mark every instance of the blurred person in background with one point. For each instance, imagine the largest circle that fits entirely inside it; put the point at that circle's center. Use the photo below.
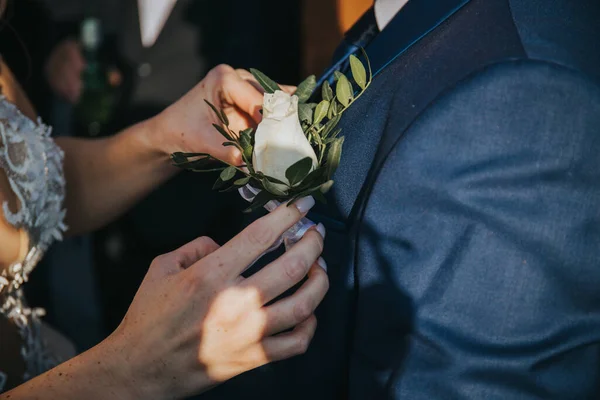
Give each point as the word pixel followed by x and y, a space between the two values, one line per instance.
pixel 70 185
pixel 138 37
pixel 324 23
pixel 162 48
pixel 42 45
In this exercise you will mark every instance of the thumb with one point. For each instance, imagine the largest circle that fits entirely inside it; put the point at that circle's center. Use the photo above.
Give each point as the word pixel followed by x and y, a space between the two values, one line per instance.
pixel 242 94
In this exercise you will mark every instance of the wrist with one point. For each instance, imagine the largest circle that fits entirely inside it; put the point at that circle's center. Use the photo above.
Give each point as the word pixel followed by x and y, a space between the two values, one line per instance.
pixel 124 371
pixel 154 138
pixel 157 144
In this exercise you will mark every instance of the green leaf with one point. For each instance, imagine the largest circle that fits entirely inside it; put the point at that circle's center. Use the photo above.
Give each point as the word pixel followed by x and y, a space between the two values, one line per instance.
pixel 321 112
pixel 326 91
pixel 247 132
pixel 262 198
pixel 330 125
pixel 224 118
pixel 358 72
pixel 333 110
pixel 229 189
pixel 223 132
pixel 267 83
pixel 318 195
pixel 326 186
pixel 306 88
pixel 179 158
pixel 334 155
pixel 272 180
pixel 246 143
pixel 193 154
pixel 228 174
pixel 218 184
pixel 298 171
pixel 228 144
pixel 273 188
pixel 305 113
pixel 311 191
pixel 316 138
pixel 312 177
pixel 337 75
pixel 217 113
pixel 343 90
pixel 335 133
pixel 197 162
pixel 242 181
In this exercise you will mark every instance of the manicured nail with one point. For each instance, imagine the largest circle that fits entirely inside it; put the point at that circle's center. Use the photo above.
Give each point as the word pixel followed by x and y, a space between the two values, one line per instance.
pixel 305 204
pixel 321 229
pixel 322 263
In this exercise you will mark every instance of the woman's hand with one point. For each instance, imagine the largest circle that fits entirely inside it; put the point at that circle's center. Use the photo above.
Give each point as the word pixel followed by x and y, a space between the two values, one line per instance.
pixel 187 124
pixel 195 322
pixel 64 68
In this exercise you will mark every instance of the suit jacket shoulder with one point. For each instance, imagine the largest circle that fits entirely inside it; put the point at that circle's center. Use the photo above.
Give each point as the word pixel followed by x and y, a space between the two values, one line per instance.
pixel 483 223
pixel 565 32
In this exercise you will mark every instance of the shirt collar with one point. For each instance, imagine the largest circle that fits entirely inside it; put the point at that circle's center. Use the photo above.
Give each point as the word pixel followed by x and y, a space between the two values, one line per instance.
pixel 386 10
pixel 153 15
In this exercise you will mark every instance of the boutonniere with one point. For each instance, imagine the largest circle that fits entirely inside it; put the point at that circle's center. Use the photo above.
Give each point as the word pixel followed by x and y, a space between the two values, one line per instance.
pixel 295 150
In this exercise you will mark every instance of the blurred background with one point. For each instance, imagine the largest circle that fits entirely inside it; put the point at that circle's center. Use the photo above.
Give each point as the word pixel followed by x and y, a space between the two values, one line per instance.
pixel 93 67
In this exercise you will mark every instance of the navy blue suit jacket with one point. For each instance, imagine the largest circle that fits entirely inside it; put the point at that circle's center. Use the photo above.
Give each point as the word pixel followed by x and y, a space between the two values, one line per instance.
pixel 464 225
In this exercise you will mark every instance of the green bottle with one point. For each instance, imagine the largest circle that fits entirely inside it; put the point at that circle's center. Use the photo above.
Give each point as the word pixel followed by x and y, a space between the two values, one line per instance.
pixel 97 101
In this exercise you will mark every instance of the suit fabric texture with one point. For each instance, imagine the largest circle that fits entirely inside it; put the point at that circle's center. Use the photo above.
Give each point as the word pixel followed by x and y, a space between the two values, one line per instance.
pixel 463 226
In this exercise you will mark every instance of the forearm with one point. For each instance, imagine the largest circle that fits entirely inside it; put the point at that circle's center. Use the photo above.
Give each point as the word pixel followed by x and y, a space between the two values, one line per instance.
pixel 99 373
pixel 107 176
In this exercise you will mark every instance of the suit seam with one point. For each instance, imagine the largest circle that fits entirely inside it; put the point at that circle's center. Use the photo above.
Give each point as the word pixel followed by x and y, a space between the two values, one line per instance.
pixel 516 27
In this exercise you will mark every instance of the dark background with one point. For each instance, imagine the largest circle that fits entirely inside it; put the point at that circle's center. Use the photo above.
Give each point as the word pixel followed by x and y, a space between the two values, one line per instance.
pixel 87 283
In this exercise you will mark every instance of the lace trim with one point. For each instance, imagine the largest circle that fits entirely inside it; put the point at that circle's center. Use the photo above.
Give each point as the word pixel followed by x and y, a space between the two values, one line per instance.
pixel 38 183
pixel 27 320
pixel 33 166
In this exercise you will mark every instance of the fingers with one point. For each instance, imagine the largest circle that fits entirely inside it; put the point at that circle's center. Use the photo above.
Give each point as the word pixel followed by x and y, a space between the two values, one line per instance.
pixel 292 343
pixel 288 89
pixel 64 70
pixel 250 78
pixel 194 251
pixel 247 246
pixel 285 272
pixel 187 255
pixel 243 94
pixel 295 309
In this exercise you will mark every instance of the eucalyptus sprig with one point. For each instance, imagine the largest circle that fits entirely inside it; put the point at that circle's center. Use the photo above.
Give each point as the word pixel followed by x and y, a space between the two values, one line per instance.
pixel 319 122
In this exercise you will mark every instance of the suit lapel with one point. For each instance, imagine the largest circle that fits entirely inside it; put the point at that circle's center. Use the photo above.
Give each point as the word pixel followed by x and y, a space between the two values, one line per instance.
pixel 414 22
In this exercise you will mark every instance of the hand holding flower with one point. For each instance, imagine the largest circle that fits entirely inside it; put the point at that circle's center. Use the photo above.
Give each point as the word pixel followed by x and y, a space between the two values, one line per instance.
pixel 187 125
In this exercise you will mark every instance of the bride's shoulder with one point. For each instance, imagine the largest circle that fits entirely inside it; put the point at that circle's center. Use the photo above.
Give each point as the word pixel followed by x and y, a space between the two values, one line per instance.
pixel 12 92
pixel 13 122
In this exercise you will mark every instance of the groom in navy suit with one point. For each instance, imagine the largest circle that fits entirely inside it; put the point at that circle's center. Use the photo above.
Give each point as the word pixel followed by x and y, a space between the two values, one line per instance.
pixel 464 225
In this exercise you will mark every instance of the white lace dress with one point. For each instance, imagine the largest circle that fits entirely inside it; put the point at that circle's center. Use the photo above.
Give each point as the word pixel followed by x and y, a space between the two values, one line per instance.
pixel 32 163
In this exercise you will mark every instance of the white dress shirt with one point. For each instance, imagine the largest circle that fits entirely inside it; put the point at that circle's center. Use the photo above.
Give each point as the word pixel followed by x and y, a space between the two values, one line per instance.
pixel 153 15
pixel 385 10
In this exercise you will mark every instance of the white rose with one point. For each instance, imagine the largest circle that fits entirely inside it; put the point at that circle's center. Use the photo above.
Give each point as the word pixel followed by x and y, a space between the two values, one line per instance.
pixel 279 140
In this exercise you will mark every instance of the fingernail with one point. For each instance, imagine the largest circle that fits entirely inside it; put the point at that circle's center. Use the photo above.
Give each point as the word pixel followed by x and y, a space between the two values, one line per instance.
pixel 305 204
pixel 321 229
pixel 322 264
